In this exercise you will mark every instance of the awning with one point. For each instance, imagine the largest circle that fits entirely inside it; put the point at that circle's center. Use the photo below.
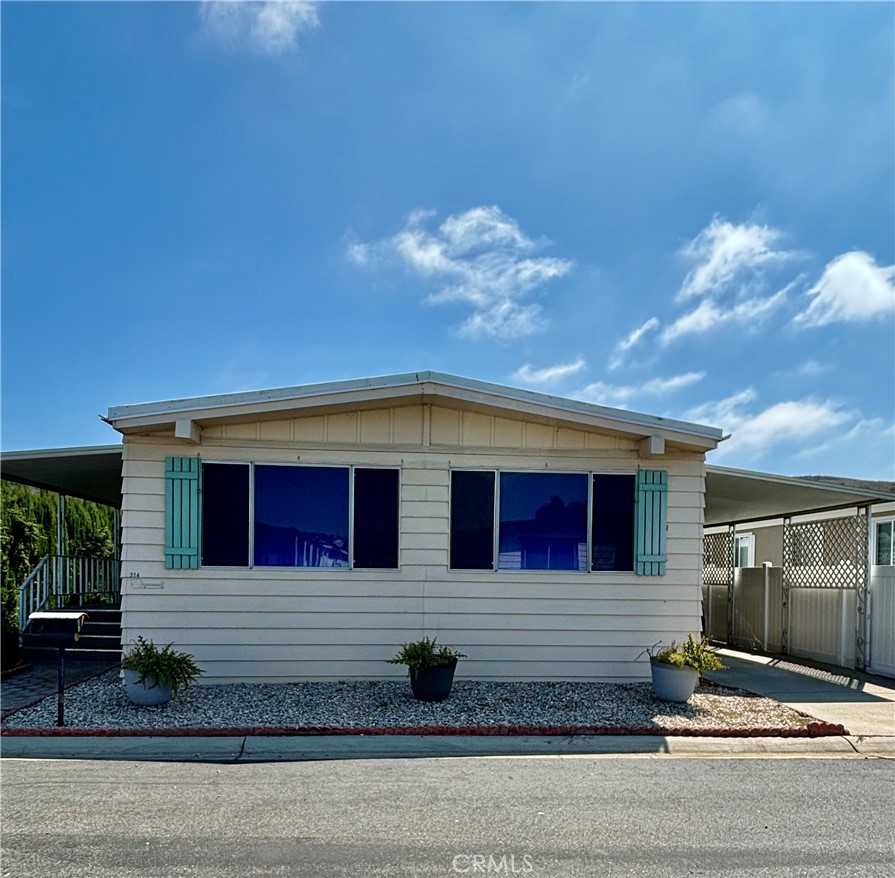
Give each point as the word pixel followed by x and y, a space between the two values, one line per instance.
pixel 91 473
pixel 735 496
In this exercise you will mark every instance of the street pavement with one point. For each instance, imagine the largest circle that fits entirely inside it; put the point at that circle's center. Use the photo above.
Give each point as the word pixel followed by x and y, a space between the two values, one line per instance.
pixel 565 817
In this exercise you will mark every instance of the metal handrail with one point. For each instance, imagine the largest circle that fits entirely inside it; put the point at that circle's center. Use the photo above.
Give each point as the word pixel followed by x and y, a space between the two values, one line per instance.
pixel 63 576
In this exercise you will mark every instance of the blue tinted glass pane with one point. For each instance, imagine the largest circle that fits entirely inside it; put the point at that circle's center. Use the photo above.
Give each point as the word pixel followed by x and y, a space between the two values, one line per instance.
pixel 301 516
pixel 613 523
pixel 225 514
pixel 543 521
pixel 472 520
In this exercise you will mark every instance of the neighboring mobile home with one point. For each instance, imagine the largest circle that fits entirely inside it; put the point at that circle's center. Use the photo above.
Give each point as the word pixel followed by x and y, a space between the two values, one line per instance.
pixel 305 533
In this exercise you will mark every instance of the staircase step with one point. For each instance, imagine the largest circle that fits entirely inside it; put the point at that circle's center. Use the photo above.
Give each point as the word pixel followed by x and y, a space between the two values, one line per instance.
pixel 45 654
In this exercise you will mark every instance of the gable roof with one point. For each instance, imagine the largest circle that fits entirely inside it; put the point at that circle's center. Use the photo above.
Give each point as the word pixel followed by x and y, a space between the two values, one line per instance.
pixel 406 389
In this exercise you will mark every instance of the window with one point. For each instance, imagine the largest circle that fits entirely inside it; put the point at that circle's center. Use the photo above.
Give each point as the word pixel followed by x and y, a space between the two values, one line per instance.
pixel 539 521
pixel 744 551
pixel 265 515
pixel 885 550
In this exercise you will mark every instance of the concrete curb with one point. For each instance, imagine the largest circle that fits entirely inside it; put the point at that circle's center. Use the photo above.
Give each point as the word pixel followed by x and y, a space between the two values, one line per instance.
pixel 260 748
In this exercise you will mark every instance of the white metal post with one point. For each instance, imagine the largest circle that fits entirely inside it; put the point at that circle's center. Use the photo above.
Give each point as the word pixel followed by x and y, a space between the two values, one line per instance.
pixel 767 604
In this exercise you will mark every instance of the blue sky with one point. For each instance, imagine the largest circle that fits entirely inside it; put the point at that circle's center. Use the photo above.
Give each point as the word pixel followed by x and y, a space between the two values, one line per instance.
pixel 680 209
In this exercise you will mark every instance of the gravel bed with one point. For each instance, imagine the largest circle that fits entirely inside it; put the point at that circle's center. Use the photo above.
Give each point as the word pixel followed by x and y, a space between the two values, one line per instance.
pixel 101 703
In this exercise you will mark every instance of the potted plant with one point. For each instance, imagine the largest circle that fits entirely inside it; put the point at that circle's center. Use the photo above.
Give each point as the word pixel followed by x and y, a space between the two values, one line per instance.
pixel 431 668
pixel 676 669
pixel 153 675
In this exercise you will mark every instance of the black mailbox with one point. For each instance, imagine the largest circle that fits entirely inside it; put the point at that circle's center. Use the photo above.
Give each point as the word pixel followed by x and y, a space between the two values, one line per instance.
pixel 57 629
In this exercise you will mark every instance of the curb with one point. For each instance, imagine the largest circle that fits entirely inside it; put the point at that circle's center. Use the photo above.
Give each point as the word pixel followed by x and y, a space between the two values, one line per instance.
pixel 816 729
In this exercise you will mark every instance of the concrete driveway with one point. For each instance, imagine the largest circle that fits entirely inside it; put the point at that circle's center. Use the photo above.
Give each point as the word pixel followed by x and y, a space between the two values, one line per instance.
pixel 864 704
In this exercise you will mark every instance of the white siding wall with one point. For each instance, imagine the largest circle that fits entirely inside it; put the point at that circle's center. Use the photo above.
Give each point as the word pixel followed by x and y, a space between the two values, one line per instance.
pixel 290 624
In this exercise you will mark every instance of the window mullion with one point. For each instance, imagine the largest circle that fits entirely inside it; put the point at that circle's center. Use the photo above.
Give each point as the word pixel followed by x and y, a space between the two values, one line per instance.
pixel 351 472
pixel 251 514
pixel 495 551
pixel 588 565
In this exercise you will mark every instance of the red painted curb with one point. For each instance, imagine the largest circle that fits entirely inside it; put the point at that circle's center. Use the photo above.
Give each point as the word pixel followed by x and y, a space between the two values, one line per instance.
pixel 811 730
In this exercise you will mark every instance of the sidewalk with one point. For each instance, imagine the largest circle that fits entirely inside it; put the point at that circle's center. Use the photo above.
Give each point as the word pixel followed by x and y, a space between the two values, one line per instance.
pixel 862 704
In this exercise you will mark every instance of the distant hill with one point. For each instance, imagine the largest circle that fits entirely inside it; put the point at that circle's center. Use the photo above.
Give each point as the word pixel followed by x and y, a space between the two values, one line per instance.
pixel 882 488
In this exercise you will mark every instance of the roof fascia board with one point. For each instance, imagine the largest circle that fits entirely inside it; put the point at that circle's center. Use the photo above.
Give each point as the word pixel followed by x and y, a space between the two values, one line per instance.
pixel 424 385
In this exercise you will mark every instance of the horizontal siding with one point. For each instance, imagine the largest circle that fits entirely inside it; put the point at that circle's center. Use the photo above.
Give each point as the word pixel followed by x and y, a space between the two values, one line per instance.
pixel 281 624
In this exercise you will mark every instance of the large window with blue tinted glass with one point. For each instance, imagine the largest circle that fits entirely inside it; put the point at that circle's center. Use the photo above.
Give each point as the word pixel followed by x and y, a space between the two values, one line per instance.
pixel 264 515
pixel 543 521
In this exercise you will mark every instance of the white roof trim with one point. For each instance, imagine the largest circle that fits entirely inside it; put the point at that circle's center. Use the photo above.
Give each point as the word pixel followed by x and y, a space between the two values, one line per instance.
pixel 406 385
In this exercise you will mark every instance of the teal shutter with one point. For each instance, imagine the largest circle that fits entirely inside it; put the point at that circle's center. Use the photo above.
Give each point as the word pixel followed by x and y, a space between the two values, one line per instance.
pixel 181 513
pixel 650 519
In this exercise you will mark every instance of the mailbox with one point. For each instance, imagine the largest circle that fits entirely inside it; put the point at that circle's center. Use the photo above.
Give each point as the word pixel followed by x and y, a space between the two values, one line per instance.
pixel 57 629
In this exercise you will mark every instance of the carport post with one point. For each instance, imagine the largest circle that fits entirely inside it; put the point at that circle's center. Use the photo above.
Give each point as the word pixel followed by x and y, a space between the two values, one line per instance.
pixel 731 580
pixel 863 561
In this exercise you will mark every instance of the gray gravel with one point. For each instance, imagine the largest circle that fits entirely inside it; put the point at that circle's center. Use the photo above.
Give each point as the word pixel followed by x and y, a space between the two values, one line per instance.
pixel 101 703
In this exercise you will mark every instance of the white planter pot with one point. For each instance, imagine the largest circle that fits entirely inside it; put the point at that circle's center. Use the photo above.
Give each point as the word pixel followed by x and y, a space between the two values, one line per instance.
pixel 146 694
pixel 672 683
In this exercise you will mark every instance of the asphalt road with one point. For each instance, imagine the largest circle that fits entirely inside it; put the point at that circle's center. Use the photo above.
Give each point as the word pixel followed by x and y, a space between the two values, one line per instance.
pixel 584 816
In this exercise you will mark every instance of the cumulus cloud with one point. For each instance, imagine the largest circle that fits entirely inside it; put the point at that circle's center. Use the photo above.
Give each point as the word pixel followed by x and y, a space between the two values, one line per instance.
pixel 755 430
pixel 630 340
pixel 268 28
pixel 527 374
pixel 727 255
pixel 622 396
pixel 852 289
pixel 480 258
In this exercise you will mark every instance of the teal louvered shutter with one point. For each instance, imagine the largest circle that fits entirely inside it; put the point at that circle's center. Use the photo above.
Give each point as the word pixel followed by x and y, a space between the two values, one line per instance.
pixel 650 518
pixel 181 513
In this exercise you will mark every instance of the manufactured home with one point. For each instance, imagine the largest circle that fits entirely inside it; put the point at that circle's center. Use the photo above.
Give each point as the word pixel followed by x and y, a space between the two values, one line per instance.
pixel 305 533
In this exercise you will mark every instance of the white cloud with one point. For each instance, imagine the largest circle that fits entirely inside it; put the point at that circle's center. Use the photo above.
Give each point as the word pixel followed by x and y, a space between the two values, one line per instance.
pixel 269 28
pixel 852 289
pixel 550 374
pixel 811 369
pixel 726 254
pixel 709 315
pixel 755 431
pixel 622 348
pixel 479 258
pixel 621 396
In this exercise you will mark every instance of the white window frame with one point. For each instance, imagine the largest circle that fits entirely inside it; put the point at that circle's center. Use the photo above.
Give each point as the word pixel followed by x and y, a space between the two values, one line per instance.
pixel 345 466
pixel 876 524
pixel 495 550
pixel 747 539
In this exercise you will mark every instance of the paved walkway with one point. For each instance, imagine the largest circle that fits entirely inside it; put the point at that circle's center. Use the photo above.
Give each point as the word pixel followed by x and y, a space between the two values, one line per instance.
pixel 41 679
pixel 864 704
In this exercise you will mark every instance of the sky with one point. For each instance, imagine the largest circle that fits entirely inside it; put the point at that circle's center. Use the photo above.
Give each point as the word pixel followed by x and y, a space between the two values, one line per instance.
pixel 686 210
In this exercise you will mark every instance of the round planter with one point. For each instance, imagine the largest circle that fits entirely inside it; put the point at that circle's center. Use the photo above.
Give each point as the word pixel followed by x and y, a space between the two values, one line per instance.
pixel 433 684
pixel 672 683
pixel 146 694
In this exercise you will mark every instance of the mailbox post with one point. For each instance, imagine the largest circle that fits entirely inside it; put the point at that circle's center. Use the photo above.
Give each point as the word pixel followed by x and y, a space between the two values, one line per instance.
pixel 59 630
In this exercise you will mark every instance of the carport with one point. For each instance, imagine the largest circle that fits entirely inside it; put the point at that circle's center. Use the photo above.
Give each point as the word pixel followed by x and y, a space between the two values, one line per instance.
pixel 811 588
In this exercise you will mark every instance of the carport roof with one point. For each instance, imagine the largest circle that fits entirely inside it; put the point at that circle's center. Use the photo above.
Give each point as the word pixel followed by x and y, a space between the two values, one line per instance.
pixel 732 496
pixel 91 473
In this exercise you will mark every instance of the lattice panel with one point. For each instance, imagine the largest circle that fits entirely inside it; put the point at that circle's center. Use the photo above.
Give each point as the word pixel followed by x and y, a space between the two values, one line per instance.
pixel 717 558
pixel 830 553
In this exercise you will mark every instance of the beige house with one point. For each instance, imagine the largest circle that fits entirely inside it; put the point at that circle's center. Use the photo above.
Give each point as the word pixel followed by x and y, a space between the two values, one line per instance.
pixel 305 533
